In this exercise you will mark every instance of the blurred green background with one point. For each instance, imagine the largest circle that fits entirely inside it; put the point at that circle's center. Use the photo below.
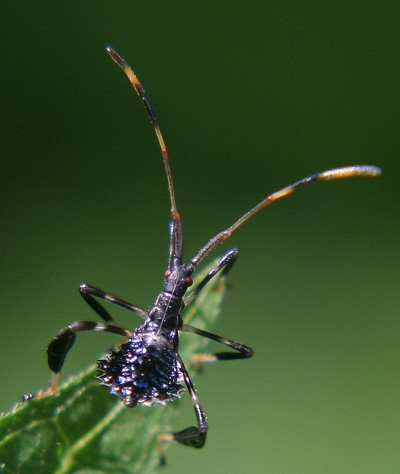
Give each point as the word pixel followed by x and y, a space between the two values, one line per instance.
pixel 250 96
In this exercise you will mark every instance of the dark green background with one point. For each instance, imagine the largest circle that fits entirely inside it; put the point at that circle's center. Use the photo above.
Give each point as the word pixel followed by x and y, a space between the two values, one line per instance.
pixel 251 96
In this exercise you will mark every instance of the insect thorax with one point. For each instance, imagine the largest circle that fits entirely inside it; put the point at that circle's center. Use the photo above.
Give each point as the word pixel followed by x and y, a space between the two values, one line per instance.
pixel 143 371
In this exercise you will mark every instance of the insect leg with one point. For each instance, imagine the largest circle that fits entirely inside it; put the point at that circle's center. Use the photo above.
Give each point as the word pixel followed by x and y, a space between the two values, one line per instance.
pixel 88 292
pixel 193 436
pixel 225 264
pixel 60 345
pixel 243 351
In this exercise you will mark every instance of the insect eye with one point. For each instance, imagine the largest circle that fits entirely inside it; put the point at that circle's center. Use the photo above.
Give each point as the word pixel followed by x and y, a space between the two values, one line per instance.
pixel 167 274
pixel 189 281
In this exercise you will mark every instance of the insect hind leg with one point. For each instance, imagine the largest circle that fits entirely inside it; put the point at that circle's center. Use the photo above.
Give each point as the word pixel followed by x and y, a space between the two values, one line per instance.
pixel 61 344
pixel 193 436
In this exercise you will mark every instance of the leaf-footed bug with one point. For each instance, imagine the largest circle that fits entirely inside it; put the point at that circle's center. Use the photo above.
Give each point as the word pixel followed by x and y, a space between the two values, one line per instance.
pixel 147 369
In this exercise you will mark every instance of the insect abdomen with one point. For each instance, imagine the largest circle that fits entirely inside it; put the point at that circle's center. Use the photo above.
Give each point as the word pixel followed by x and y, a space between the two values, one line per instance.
pixel 143 371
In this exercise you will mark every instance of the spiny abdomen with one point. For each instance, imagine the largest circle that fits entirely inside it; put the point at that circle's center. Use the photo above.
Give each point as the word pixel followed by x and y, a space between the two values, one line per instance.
pixel 143 371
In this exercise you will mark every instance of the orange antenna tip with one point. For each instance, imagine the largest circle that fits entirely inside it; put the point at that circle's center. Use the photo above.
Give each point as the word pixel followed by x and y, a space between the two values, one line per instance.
pixel 350 172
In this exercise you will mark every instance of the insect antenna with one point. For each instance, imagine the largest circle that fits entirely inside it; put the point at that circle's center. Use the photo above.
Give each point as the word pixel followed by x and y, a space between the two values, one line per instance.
pixel 176 234
pixel 328 175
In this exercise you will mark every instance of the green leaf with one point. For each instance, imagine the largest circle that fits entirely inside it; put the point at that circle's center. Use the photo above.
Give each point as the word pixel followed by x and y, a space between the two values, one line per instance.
pixel 84 429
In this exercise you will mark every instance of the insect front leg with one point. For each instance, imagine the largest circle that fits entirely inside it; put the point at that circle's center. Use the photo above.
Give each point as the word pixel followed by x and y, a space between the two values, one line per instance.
pixel 88 293
pixel 223 266
pixel 60 345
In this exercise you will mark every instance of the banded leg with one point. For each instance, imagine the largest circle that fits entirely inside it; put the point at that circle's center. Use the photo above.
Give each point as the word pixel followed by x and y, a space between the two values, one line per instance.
pixel 62 343
pixel 244 352
pixel 193 436
pixel 224 265
pixel 89 292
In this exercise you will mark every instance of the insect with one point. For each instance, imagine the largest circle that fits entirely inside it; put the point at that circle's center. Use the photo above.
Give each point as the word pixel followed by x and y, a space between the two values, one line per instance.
pixel 147 369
